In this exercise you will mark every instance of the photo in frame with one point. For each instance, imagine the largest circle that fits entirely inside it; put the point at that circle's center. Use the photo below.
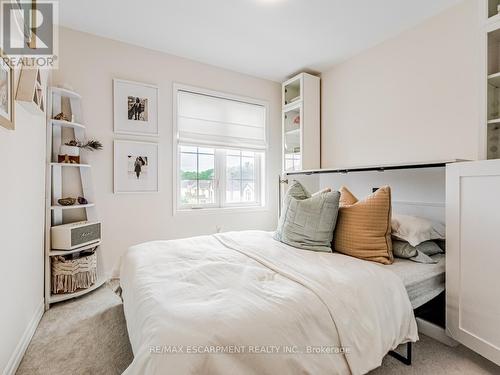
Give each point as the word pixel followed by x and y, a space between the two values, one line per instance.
pixel 6 94
pixel 135 166
pixel 135 108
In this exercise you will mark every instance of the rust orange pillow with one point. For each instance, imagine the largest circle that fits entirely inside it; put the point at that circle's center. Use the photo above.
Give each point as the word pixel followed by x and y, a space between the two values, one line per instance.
pixel 364 227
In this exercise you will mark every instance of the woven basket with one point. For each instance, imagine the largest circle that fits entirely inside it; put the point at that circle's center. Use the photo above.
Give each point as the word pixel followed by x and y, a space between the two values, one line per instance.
pixel 70 275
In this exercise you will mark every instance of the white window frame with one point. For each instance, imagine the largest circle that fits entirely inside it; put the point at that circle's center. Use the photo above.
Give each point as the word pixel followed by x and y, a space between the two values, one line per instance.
pixel 261 172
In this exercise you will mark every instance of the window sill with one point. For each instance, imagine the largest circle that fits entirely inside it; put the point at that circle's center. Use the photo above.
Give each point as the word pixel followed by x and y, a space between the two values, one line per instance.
pixel 220 210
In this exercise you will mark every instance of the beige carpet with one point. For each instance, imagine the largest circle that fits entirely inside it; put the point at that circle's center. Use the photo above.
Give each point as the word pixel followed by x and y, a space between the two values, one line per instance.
pixel 89 336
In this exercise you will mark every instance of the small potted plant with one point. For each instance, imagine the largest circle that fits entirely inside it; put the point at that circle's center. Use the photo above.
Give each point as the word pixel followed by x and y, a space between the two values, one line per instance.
pixel 70 151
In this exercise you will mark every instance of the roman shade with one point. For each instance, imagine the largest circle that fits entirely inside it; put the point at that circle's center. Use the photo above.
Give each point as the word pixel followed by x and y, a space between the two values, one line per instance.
pixel 216 121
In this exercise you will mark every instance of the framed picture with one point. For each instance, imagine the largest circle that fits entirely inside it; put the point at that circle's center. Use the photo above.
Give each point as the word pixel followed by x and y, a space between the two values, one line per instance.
pixel 135 107
pixel 135 167
pixel 6 94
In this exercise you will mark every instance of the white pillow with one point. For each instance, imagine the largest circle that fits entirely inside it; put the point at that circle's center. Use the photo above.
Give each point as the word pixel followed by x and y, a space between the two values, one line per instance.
pixel 416 230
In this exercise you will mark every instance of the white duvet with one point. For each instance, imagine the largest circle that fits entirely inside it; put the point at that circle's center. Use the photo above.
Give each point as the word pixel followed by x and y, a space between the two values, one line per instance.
pixel 243 303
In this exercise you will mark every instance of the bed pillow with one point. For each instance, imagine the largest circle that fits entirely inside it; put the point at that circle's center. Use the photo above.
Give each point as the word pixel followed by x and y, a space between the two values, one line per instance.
pixel 364 227
pixel 421 253
pixel 307 222
pixel 416 230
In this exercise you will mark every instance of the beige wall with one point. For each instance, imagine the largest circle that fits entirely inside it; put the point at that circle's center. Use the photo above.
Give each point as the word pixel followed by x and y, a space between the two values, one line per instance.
pixel 412 98
pixel 89 64
pixel 22 216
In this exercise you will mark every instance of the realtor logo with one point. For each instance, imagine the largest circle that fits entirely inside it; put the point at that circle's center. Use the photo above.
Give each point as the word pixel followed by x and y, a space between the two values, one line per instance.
pixel 29 32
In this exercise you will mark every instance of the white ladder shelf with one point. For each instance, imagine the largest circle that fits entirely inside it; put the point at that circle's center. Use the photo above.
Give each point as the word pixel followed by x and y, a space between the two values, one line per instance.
pixel 59 99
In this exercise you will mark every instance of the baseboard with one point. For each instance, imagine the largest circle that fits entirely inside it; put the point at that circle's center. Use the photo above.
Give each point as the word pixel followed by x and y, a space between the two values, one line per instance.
pixel 436 332
pixel 18 354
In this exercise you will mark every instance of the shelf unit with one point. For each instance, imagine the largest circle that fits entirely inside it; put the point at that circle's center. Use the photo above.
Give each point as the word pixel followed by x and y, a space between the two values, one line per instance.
pixel 301 123
pixel 79 176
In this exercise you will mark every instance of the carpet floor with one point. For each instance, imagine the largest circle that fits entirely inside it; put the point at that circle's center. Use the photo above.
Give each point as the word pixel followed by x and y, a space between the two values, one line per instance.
pixel 89 336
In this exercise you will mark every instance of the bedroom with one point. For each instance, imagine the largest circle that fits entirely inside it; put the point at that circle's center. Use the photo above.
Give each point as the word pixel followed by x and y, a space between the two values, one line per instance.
pixel 185 141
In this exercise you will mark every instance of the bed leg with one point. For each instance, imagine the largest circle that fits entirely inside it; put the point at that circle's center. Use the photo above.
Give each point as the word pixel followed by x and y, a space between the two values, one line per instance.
pixel 406 360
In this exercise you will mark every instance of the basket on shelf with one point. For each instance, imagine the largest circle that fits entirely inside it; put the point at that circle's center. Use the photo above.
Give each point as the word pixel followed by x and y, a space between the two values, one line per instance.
pixel 68 275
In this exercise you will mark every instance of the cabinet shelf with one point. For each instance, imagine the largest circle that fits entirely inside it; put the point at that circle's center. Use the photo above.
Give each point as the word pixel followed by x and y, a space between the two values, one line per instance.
pixel 60 207
pixel 54 253
pixel 67 124
pixel 70 165
pixel 494 121
pixel 54 298
pixel 65 93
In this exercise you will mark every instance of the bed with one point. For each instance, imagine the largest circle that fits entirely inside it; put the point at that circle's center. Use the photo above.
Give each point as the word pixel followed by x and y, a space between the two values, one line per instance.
pixel 242 302
pixel 423 282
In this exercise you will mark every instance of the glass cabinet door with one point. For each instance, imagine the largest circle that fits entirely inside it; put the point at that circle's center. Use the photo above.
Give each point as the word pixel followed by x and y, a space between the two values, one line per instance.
pixel 292 142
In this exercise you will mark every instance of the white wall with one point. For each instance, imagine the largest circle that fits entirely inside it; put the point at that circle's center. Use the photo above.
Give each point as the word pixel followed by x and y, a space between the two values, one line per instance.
pixel 22 203
pixel 88 64
pixel 412 98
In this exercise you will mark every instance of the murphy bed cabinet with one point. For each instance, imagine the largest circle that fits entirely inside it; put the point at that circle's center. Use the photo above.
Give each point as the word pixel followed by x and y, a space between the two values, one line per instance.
pixel 473 256
pixel 301 122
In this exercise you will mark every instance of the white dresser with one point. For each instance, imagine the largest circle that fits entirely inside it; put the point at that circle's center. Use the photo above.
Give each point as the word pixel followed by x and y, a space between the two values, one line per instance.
pixel 473 256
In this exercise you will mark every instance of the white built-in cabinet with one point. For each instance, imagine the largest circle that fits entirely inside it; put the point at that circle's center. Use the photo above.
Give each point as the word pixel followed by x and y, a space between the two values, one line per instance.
pixel 490 78
pixel 301 123
pixel 473 256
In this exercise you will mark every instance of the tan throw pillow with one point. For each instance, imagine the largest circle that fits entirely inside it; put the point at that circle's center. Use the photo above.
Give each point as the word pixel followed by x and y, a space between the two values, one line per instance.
pixel 364 227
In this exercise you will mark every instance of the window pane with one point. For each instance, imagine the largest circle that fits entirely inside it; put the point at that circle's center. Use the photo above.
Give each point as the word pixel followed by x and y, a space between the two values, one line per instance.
pixel 203 150
pixel 206 167
pixel 189 192
pixel 247 168
pixel 206 192
pixel 248 191
pixel 188 149
pixel 233 169
pixel 188 166
pixel 233 152
pixel 233 191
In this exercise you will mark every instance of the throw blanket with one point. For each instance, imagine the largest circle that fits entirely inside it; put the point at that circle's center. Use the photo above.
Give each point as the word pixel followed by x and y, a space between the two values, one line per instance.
pixel 242 302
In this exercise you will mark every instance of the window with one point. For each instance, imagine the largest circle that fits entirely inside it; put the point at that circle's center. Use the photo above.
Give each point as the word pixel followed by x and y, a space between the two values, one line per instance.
pixel 221 144
pixel 197 174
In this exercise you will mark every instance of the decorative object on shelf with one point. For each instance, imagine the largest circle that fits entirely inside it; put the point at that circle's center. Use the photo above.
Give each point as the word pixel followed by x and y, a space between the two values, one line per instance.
pixel 30 92
pixel 6 94
pixel 66 201
pixel 70 151
pixel 82 200
pixel 74 235
pixel 69 154
pixel 69 275
pixel 61 116
pixel 296 119
pixel 135 108
pixel 135 167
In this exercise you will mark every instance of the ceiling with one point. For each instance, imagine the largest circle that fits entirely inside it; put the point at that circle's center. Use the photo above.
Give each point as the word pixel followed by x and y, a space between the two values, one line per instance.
pixel 265 38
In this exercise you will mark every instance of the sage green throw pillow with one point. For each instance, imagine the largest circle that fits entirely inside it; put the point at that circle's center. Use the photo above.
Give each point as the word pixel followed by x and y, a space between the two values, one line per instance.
pixel 307 222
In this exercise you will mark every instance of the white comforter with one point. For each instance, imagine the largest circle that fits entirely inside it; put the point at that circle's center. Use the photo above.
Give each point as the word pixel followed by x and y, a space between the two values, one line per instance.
pixel 243 303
